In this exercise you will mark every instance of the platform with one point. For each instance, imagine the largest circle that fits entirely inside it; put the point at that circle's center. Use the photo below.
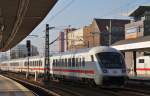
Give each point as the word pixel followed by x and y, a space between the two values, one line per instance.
pixel 9 87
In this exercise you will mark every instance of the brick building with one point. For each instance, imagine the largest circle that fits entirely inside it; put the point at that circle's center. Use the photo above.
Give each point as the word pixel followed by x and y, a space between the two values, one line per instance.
pixel 104 32
pixel 61 41
pixel 75 39
pixel 101 32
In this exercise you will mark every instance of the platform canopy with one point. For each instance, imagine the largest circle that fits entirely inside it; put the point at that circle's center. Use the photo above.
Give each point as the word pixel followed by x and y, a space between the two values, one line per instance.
pixel 19 17
pixel 138 44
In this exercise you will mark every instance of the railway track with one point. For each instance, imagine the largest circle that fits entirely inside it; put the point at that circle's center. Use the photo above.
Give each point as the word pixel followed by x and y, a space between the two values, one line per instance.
pixel 40 90
pixel 73 89
pixel 128 92
pixel 37 90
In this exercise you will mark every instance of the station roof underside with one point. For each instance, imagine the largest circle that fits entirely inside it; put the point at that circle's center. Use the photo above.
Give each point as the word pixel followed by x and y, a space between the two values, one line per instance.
pixel 18 18
pixel 140 44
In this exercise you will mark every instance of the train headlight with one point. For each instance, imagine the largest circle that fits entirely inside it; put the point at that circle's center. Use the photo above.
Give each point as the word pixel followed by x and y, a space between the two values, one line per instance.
pixel 123 70
pixel 105 71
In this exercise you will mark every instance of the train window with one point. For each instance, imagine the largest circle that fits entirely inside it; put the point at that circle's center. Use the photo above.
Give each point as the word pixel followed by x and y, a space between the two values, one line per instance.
pixel 33 63
pixel 76 62
pixel 36 63
pixel 65 62
pixel 56 62
pixel 73 62
pixel 53 62
pixel 92 58
pixel 40 63
pixel 83 61
pixel 141 60
pixel 30 63
pixel 69 62
pixel 80 62
pixel 61 62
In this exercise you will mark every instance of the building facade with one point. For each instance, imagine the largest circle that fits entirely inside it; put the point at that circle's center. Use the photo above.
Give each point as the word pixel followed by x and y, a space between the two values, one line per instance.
pixel 61 40
pixel 140 25
pixel 20 51
pixel 101 32
pixel 104 32
pixel 74 39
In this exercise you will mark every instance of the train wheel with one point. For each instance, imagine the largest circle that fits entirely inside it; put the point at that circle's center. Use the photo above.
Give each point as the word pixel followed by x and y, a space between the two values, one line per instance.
pixel 92 83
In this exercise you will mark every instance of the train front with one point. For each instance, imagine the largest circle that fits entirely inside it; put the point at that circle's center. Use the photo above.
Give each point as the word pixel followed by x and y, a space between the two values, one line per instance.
pixel 112 68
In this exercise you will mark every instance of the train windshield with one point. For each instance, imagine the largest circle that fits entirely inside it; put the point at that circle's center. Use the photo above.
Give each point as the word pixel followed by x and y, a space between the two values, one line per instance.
pixel 110 60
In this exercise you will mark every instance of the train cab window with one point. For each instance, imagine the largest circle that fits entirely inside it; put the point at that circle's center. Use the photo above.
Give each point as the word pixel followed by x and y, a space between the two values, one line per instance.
pixel 92 58
pixel 141 60
pixel 110 60
pixel 73 62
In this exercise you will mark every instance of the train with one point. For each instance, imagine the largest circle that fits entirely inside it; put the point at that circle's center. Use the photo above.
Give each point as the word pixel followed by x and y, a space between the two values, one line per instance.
pixel 100 65
pixel 142 66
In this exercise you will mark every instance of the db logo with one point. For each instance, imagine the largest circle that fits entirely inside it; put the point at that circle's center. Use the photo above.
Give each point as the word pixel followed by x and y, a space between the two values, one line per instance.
pixel 114 71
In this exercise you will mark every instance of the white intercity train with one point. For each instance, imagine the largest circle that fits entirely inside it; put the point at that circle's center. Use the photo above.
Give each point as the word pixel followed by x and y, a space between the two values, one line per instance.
pixel 143 66
pixel 99 65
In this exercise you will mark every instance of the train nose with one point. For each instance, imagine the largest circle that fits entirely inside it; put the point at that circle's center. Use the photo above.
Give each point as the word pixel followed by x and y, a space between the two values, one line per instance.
pixel 113 80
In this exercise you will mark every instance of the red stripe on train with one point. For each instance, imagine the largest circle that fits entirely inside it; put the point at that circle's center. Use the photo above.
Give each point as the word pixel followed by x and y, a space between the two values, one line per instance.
pixel 65 70
pixel 75 71
pixel 143 69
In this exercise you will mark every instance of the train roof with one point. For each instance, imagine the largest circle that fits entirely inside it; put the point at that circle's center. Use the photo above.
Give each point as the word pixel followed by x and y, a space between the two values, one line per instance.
pixel 33 57
pixel 85 50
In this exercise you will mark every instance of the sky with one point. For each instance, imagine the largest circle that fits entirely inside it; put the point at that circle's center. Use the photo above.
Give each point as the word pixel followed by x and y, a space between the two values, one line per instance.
pixel 79 13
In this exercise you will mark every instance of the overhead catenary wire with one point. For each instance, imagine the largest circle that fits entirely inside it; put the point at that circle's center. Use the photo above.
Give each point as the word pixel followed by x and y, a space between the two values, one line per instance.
pixel 55 15
pixel 118 8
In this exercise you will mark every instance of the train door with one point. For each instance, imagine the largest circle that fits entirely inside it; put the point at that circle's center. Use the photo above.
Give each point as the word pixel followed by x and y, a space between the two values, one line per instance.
pixel 147 65
pixel 141 67
pixel 78 65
